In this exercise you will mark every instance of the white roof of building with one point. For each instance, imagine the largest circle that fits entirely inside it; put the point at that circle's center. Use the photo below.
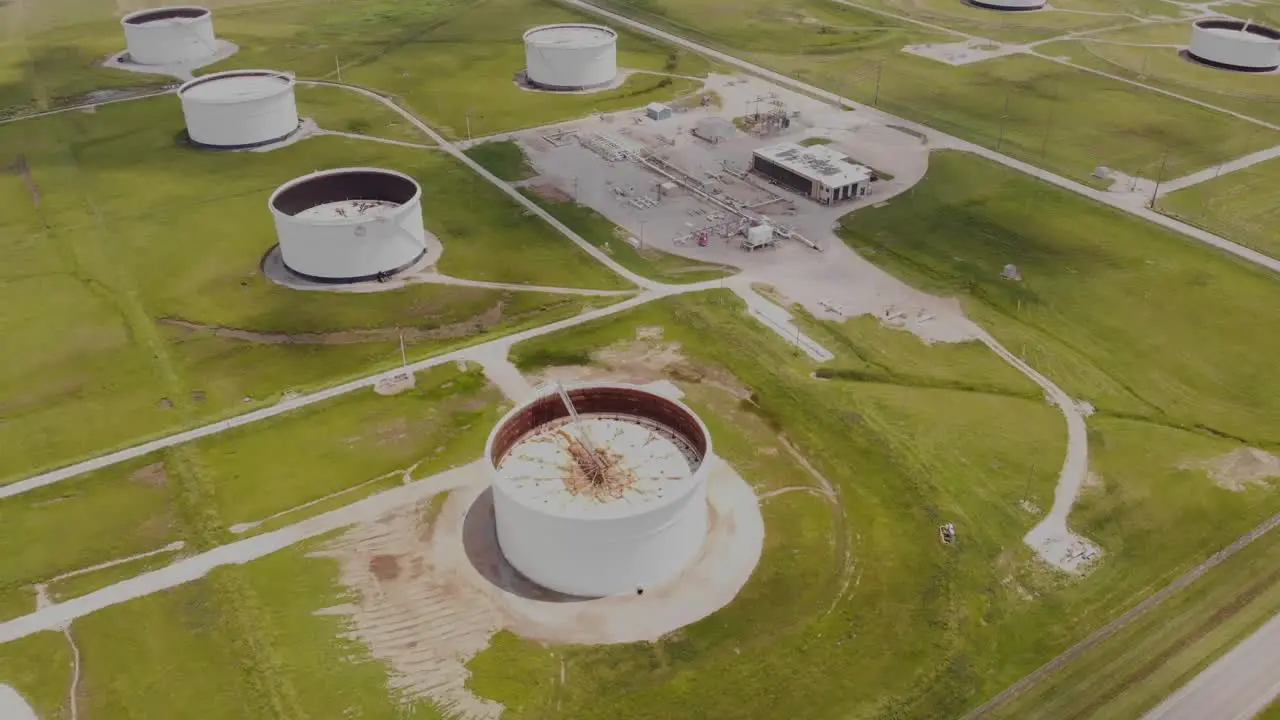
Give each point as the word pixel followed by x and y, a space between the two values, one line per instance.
pixel 656 107
pixel 819 162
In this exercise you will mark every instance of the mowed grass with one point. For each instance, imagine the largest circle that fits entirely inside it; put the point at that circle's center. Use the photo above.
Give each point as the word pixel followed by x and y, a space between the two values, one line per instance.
pixel 293 664
pixel 503 158
pixel 341 110
pixel 920 631
pixel 1166 68
pixel 1143 663
pixel 446 60
pixel 130 254
pixel 1030 108
pixel 1239 205
pixel 94 518
pixel 1119 312
pixel 38 667
pixel 239 476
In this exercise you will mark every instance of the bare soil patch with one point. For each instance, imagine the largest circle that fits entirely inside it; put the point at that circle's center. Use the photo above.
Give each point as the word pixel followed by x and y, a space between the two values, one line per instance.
pixel 385 567
pixel 153 475
pixel 1238 469
pixel 550 193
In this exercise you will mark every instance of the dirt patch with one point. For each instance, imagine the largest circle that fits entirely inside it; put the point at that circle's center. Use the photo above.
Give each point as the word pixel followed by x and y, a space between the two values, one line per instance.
pixel 550 193
pixel 1238 469
pixel 419 621
pixel 385 567
pixel 153 475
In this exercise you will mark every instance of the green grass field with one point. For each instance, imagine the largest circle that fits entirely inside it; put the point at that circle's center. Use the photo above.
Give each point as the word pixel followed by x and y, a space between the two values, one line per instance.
pixel 240 476
pixel 503 158
pixel 1240 206
pixel 1130 317
pixel 1165 68
pixel 445 60
pixel 922 634
pixel 340 110
pixel 1133 670
pixel 1026 107
pixel 139 266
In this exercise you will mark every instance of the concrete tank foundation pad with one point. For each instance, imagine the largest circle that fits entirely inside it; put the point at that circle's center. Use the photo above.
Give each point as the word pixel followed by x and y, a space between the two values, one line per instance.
pixel 181 71
pixel 735 538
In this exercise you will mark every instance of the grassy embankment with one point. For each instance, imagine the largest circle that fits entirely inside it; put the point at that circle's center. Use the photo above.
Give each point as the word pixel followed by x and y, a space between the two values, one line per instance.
pixel 1029 108
pixel 1157 332
pixel 245 640
pixel 1139 666
pixel 126 235
pixel 1240 206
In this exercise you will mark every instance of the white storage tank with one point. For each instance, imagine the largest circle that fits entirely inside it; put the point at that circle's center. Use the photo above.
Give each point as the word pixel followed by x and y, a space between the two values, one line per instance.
pixel 1013 5
pixel 1235 45
pixel 614 502
pixel 349 224
pixel 570 56
pixel 170 35
pixel 239 109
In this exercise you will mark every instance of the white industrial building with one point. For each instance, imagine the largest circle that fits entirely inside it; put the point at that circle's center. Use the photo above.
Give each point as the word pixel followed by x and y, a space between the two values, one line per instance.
pixel 239 108
pixel 1235 45
pixel 600 489
pixel 349 224
pixel 570 56
pixel 169 36
pixel 1014 5
pixel 820 172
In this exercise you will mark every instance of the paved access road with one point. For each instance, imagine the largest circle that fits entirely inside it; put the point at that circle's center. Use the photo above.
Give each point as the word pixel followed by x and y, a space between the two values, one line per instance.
pixel 1236 687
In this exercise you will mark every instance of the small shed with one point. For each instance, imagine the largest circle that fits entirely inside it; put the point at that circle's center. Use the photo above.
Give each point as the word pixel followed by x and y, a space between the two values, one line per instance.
pixel 714 129
pixel 757 237
pixel 657 111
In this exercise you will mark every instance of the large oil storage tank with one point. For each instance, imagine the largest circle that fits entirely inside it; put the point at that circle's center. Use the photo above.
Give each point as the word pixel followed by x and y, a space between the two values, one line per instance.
pixel 1235 45
pixel 1013 5
pixel 349 224
pixel 239 108
pixel 600 494
pixel 570 56
pixel 169 35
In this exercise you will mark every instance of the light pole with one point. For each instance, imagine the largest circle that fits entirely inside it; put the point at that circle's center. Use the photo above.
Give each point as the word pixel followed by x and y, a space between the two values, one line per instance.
pixel 875 102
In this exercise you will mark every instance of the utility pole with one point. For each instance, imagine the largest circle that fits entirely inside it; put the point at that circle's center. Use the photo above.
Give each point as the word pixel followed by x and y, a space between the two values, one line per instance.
pixel 468 124
pixel 1003 116
pixel 1159 177
pixel 404 359
pixel 338 66
pixel 575 188
pixel 642 224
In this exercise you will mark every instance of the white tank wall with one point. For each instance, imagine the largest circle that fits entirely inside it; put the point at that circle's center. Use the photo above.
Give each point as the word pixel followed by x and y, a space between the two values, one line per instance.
pixel 181 40
pixel 352 248
pixel 1235 49
pixel 598 557
pixel 241 122
pixel 1013 4
pixel 571 65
